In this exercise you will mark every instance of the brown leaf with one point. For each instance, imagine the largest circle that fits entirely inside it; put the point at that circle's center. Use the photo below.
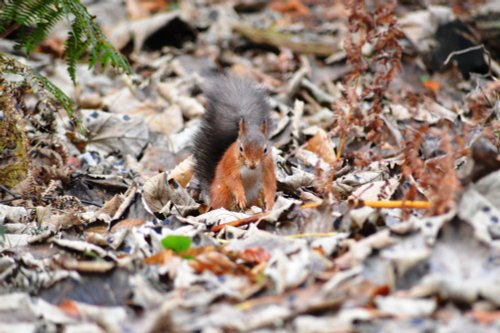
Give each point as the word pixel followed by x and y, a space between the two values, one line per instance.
pixel 322 145
pixel 485 317
pixel 183 172
pixel 53 46
pixel 255 255
pixel 295 7
pixel 137 9
pixel 127 224
pixel 69 307
pixel 215 262
pixel 160 257
pixel 110 207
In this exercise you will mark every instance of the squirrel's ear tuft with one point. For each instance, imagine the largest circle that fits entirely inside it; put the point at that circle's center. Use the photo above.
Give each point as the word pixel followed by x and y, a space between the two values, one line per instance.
pixel 243 127
pixel 263 127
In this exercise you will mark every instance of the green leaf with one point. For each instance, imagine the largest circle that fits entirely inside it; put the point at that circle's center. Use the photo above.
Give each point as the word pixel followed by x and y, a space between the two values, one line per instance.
pixel 34 19
pixel 175 243
pixel 424 78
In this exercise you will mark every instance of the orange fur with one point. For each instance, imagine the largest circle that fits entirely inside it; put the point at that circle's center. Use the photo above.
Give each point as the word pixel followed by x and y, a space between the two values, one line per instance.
pixel 269 189
pixel 227 188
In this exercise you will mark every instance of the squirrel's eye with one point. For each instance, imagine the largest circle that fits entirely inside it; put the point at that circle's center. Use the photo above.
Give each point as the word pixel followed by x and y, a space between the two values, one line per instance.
pixel 241 149
pixel 265 150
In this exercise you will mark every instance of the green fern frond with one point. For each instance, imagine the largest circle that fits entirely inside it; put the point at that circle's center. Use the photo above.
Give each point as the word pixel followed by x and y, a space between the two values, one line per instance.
pixel 87 36
pixel 34 19
pixel 46 90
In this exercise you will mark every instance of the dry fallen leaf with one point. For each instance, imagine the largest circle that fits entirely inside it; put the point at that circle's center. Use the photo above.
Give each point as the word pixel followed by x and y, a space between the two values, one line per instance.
pixel 69 307
pixel 183 172
pixel 113 132
pixel 255 255
pixel 323 146
pixel 160 258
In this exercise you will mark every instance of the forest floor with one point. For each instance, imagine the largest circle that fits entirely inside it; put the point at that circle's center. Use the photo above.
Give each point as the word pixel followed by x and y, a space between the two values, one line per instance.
pixel 386 135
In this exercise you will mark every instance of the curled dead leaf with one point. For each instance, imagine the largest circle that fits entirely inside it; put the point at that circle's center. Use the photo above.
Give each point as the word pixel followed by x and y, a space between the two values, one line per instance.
pixel 160 257
pixel 69 307
pixel 183 172
pixel 323 146
pixel 255 255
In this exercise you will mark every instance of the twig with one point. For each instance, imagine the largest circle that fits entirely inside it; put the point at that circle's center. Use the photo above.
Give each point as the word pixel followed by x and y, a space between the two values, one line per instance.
pixel 5 189
pixel 353 202
pixel 256 217
pixel 298 111
pixel 294 83
pixel 8 200
pixel 343 135
pixel 320 95
pixel 15 195
pixel 10 30
pixel 239 222
pixel 312 102
pixel 391 204
pixel 341 144
pixel 467 50
pixel 290 41
pixel 91 203
pixel 311 205
pixel 313 234
pixel 492 65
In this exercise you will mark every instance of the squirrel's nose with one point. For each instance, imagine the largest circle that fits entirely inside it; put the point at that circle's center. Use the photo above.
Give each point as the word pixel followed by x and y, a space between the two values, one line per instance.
pixel 253 166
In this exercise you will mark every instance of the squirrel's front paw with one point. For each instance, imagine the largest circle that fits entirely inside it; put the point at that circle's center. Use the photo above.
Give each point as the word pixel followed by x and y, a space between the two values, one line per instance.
pixel 269 204
pixel 242 202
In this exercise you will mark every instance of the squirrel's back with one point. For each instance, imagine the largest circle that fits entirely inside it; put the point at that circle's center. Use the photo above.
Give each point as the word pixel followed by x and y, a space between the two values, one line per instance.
pixel 230 99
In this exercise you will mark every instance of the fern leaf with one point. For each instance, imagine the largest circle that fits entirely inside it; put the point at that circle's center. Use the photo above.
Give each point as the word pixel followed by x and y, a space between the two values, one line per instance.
pixel 87 36
pixel 36 18
pixel 39 83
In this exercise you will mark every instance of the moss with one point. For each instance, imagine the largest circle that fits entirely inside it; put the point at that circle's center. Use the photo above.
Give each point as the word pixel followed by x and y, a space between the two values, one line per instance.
pixel 13 142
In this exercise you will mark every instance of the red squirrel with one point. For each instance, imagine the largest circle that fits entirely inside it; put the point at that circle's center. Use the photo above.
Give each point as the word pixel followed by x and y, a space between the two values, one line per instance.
pixel 232 152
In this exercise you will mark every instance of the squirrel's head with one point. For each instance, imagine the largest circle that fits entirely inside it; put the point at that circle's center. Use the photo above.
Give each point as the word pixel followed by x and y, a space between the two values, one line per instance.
pixel 252 144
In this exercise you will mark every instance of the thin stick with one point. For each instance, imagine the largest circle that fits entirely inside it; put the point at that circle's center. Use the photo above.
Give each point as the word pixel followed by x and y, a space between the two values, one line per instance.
pixel 8 200
pixel 344 134
pixel 256 217
pixel 311 205
pixel 341 144
pixel 391 204
pixel 313 234
pixel 6 189
pixel 355 203
pixel 492 65
pixel 239 222
pixel 10 30
pixel 91 203
pixel 467 50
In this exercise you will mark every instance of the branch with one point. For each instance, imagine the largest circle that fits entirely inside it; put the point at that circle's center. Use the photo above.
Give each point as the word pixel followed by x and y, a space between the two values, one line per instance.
pixel 492 65
pixel 289 41
pixel 256 217
pixel 10 30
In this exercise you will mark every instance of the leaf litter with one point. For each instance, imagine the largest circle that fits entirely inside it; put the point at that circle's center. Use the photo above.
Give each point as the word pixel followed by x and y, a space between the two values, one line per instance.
pixel 106 232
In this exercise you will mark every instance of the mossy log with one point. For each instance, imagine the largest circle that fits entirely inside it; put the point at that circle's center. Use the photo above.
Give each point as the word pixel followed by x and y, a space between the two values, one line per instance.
pixel 296 43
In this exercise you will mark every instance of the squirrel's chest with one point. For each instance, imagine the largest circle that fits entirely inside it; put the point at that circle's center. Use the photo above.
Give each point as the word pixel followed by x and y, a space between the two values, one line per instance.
pixel 252 183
